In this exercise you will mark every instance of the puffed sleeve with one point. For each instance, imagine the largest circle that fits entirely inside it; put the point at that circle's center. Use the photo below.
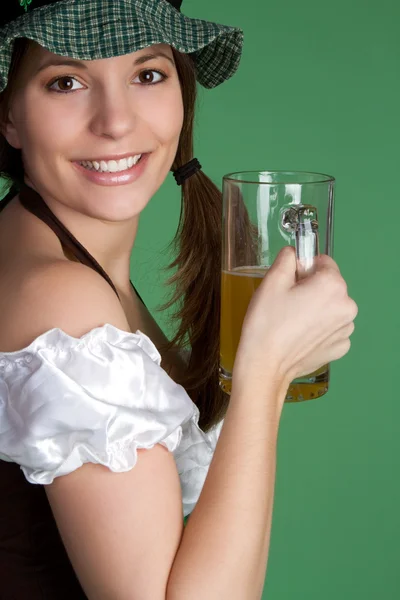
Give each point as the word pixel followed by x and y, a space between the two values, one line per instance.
pixel 66 401
pixel 193 457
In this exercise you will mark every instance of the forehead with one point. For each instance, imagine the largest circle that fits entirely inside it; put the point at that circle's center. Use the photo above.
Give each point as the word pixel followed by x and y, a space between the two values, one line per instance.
pixel 37 55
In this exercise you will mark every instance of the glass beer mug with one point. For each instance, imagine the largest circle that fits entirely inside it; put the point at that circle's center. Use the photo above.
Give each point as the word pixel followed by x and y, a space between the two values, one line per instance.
pixel 262 212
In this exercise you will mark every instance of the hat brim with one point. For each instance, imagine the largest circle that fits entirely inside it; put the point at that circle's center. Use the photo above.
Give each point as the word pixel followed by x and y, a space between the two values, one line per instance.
pixel 106 28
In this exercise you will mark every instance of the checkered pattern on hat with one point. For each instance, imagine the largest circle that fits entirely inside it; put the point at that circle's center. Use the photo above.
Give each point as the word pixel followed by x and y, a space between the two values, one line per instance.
pixel 92 29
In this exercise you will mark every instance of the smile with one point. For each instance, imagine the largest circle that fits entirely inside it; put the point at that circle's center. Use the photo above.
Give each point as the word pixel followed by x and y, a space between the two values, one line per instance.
pixel 111 166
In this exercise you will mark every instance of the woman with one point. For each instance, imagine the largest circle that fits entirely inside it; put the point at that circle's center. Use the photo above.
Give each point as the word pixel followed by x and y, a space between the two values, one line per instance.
pixel 99 443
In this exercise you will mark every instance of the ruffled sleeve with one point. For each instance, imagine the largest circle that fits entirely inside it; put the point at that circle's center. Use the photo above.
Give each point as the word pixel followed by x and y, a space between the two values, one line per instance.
pixel 193 457
pixel 66 401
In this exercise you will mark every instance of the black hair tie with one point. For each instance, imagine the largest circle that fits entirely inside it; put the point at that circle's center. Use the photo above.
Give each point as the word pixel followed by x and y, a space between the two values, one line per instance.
pixel 186 171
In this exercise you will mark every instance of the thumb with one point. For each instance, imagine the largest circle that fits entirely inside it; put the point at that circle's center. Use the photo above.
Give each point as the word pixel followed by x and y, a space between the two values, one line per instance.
pixel 284 267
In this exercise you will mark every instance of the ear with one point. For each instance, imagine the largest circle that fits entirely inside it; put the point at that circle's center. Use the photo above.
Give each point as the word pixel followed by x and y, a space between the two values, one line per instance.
pixel 10 132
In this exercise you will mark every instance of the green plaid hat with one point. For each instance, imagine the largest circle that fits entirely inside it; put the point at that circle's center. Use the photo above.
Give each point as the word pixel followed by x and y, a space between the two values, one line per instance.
pixel 92 29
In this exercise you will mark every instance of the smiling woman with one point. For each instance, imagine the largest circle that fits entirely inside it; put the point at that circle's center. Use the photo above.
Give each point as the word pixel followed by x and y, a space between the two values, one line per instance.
pixel 90 131
pixel 108 437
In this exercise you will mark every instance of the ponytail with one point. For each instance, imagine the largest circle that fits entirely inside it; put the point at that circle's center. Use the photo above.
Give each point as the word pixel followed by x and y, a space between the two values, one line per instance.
pixel 197 279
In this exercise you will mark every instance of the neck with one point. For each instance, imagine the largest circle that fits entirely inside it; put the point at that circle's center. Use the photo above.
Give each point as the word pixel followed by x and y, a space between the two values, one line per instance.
pixel 108 243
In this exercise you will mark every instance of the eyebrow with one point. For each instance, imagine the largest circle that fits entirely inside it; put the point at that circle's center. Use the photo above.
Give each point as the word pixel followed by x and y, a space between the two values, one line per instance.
pixel 67 62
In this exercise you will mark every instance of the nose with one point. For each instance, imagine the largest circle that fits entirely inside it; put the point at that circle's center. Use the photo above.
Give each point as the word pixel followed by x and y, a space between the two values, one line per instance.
pixel 114 115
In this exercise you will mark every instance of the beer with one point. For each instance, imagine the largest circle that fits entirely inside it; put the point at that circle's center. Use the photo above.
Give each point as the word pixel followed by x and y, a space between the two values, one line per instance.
pixel 237 288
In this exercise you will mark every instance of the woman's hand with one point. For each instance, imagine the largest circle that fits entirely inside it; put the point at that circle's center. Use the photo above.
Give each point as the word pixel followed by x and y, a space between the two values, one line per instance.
pixel 293 328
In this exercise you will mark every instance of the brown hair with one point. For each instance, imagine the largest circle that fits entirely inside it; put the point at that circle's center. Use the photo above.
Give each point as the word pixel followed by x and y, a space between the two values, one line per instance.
pixel 11 166
pixel 197 247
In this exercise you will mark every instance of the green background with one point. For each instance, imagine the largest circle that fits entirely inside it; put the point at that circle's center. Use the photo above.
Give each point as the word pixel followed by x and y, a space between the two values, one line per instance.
pixel 318 89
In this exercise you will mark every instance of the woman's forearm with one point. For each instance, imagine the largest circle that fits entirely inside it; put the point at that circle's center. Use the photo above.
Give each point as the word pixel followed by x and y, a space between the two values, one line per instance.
pixel 224 549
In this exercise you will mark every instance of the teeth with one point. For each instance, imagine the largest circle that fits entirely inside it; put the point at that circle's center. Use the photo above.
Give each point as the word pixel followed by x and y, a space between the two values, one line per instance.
pixel 111 166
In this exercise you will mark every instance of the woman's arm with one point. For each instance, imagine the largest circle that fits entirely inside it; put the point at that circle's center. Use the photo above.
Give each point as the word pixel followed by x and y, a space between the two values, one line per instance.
pixel 291 329
pixel 224 549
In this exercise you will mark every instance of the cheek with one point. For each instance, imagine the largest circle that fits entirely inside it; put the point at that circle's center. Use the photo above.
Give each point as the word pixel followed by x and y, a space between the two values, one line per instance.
pixel 164 116
pixel 44 127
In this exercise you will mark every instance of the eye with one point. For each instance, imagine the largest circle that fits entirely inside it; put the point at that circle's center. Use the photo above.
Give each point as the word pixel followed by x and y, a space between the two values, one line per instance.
pixel 150 77
pixel 63 85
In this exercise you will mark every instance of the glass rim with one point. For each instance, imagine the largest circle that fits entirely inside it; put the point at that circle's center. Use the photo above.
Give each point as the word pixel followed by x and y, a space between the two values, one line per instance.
pixel 322 177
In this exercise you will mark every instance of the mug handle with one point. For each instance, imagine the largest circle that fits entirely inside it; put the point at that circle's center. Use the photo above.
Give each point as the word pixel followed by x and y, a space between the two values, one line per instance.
pixel 307 239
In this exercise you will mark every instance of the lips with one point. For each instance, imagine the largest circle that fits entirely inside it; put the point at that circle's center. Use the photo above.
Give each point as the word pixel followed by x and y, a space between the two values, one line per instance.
pixel 110 174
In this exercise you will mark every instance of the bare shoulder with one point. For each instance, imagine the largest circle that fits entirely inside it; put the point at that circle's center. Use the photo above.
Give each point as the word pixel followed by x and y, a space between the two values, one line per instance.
pixel 60 294
pixel 121 530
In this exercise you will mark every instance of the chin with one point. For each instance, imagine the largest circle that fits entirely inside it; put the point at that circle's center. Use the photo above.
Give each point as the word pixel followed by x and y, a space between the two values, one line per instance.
pixel 116 204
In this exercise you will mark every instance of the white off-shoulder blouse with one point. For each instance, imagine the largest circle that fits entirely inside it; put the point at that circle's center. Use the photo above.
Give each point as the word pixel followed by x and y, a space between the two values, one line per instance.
pixel 67 401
